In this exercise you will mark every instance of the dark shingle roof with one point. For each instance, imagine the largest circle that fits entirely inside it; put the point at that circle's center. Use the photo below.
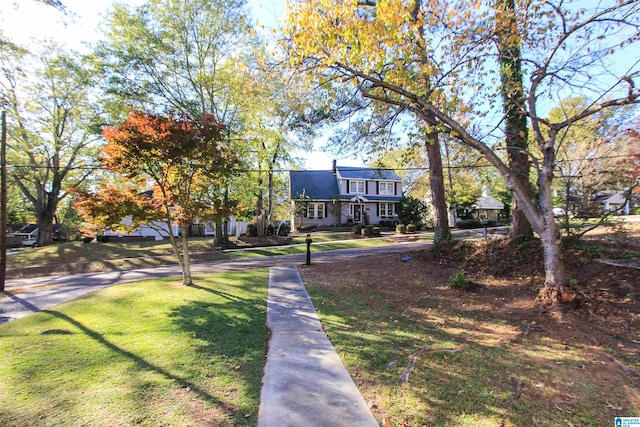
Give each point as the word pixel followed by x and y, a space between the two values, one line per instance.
pixel 349 172
pixel 318 185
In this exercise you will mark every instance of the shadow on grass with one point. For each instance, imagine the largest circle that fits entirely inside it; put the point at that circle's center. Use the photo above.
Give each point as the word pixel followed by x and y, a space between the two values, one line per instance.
pixel 144 364
pixel 234 331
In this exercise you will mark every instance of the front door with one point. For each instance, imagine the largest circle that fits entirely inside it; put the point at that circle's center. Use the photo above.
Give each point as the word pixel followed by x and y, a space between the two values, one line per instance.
pixel 357 213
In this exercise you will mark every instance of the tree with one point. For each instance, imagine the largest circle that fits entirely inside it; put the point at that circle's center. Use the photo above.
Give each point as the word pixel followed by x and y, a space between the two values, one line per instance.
pixel 185 160
pixel 51 142
pixel 515 118
pixel 182 56
pixel 272 129
pixel 430 58
pixel 588 153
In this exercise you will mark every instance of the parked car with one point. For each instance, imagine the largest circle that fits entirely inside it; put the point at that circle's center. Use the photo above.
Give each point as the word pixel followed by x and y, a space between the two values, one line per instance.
pixel 559 212
pixel 29 234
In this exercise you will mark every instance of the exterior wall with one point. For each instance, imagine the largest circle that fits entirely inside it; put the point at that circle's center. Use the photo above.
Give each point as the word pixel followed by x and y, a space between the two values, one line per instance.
pixel 329 217
pixel 486 214
pixel 158 230
pixel 372 187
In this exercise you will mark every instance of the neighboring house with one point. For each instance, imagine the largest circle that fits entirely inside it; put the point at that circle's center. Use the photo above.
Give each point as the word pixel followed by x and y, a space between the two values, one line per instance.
pixel 158 230
pixel 487 207
pixel 344 195
pixel 29 234
pixel 617 203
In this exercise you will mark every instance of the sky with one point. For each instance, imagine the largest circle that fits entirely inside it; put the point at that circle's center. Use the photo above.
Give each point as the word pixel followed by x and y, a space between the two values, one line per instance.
pixel 27 21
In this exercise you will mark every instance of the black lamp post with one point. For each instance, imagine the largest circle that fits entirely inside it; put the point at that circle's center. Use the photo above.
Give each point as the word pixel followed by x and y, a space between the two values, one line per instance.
pixel 308 242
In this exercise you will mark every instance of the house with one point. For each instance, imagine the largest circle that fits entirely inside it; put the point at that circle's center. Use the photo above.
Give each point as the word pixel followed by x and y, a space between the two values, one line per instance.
pixel 618 203
pixel 158 230
pixel 487 207
pixel 29 234
pixel 344 195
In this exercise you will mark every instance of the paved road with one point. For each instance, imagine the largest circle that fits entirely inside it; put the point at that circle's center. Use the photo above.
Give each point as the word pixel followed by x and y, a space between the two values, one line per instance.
pixel 45 292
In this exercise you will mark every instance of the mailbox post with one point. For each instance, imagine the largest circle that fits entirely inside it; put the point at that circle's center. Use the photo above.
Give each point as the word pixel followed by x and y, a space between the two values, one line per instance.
pixel 308 241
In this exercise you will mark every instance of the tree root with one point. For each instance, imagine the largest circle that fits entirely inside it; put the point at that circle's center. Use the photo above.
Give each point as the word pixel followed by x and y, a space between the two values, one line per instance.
pixel 557 298
pixel 517 389
pixel 404 377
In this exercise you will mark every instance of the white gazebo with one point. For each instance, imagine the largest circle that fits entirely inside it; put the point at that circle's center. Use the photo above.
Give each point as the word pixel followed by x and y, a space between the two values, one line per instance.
pixel 487 206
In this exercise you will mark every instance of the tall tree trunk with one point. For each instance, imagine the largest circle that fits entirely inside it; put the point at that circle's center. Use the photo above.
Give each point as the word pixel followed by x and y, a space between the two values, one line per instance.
pixel 218 240
pixel 436 181
pixel 515 116
pixel 554 290
pixel 271 194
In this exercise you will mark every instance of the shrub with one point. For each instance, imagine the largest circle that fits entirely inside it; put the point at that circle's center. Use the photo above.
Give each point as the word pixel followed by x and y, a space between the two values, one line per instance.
pixel 102 239
pixel 366 231
pixel 285 228
pixel 411 228
pixel 375 231
pixel 458 281
pixel 252 229
pixel 87 239
pixel 357 229
pixel 468 223
pixel 400 228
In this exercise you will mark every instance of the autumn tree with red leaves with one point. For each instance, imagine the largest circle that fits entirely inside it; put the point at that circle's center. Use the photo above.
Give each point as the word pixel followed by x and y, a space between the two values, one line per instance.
pixel 184 160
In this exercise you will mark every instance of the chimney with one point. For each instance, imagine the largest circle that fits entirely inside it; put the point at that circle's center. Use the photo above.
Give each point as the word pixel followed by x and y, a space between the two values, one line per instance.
pixel 334 166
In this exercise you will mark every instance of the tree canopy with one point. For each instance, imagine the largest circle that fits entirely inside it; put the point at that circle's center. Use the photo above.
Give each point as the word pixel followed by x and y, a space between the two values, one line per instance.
pixel 51 126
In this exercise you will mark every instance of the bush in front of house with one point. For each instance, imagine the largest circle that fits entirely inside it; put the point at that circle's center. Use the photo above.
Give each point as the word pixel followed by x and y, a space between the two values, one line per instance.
pixel 401 229
pixel 87 239
pixel 375 231
pixel 366 231
pixel 386 223
pixel 252 229
pixel 411 228
pixel 357 229
pixel 468 223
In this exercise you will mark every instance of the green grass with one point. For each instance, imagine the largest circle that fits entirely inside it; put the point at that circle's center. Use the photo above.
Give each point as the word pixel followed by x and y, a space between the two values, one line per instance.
pixel 81 252
pixel 563 383
pixel 148 353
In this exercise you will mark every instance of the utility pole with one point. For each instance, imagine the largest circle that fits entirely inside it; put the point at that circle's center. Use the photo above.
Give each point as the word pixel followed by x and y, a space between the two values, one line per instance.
pixel 3 202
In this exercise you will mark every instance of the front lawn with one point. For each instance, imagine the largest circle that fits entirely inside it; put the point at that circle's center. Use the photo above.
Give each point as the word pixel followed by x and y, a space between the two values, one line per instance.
pixel 148 353
pixel 487 356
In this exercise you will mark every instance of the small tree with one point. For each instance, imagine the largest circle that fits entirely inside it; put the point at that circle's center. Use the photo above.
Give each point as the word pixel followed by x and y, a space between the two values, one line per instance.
pixel 412 211
pixel 184 160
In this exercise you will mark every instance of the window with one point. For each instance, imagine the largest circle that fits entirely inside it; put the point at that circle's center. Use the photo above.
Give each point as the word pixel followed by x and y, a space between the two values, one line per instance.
pixel 386 210
pixel 315 210
pixel 387 188
pixel 357 187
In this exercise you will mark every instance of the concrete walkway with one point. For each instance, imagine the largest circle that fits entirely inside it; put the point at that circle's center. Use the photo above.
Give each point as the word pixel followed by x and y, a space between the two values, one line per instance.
pixel 305 382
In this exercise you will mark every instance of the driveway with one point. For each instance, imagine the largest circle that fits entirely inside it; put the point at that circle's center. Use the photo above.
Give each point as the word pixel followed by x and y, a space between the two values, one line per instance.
pixel 46 292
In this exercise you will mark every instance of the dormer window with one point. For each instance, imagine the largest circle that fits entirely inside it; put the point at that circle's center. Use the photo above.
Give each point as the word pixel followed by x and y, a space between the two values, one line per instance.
pixel 386 188
pixel 357 187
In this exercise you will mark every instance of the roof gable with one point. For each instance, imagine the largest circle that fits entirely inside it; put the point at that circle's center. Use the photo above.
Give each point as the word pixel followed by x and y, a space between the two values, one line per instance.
pixel 489 202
